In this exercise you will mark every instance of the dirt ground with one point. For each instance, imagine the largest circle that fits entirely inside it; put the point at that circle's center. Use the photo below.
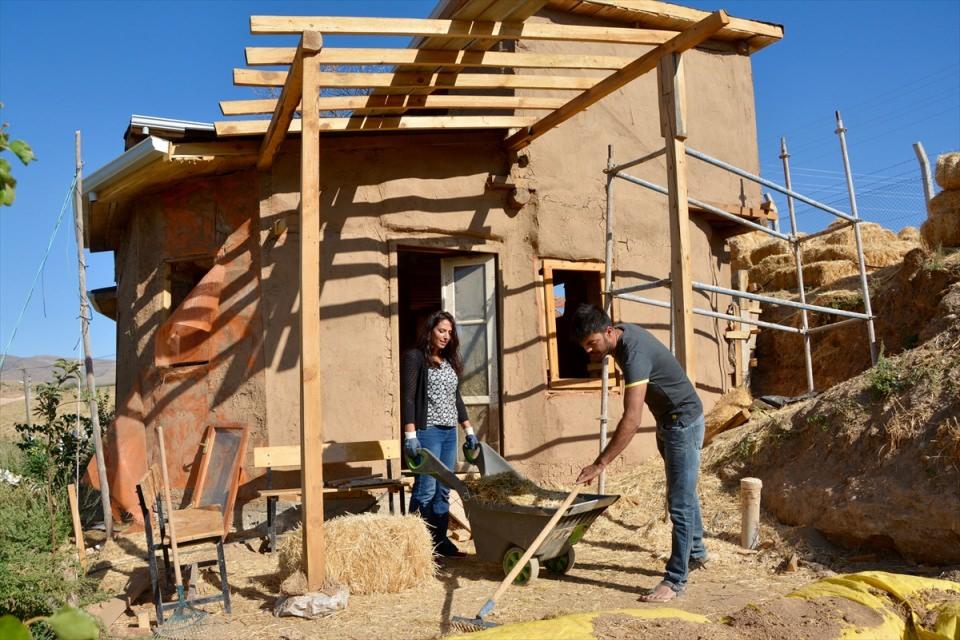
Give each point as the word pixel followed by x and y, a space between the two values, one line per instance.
pixel 621 557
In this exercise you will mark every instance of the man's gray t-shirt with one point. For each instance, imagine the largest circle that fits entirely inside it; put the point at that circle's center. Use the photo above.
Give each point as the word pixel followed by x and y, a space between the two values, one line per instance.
pixel 643 359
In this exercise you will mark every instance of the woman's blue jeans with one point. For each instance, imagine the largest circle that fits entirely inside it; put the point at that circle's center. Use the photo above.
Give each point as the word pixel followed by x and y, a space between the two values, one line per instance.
pixel 431 499
pixel 679 442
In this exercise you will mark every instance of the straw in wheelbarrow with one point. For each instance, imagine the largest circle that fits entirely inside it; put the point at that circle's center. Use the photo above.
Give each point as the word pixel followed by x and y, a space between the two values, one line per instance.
pixel 478 623
pixel 187 621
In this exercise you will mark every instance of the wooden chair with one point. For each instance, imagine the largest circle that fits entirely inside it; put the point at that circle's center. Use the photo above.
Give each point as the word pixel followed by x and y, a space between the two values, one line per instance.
pixel 288 457
pixel 206 520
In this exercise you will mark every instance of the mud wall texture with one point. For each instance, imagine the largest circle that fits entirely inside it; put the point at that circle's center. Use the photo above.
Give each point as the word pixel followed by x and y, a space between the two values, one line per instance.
pixel 210 221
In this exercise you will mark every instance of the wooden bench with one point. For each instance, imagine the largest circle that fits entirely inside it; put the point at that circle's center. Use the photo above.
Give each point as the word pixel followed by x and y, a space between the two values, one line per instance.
pixel 288 458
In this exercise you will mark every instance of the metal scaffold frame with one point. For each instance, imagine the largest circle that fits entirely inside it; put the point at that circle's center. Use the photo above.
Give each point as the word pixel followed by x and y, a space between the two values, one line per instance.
pixel 794 239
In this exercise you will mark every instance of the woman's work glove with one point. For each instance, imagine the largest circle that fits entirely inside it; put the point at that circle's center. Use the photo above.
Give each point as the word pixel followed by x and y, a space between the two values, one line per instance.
pixel 411 446
pixel 470 442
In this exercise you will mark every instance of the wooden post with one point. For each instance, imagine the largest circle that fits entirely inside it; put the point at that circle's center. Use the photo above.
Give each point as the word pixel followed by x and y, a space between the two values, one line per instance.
pixel 750 512
pixel 87 349
pixel 77 529
pixel 311 429
pixel 673 127
pixel 26 398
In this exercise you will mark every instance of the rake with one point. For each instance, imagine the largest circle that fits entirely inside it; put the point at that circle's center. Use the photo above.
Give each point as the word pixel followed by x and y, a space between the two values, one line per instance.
pixel 187 621
pixel 478 623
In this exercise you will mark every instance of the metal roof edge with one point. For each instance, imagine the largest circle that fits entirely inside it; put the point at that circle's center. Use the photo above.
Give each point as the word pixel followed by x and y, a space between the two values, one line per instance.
pixel 141 154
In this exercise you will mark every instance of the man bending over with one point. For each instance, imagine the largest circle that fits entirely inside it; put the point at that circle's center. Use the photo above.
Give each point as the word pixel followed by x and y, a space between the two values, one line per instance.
pixel 654 376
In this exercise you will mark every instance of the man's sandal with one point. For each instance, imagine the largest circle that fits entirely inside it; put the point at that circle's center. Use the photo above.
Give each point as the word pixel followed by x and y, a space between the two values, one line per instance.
pixel 663 592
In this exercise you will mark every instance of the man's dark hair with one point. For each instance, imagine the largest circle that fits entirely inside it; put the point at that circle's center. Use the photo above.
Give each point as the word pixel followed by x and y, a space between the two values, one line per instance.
pixel 589 319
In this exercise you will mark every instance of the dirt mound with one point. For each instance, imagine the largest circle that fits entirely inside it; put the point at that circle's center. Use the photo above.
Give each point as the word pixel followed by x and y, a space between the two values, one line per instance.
pixel 798 619
pixel 874 462
pixel 942 226
pixel 618 627
pixel 912 301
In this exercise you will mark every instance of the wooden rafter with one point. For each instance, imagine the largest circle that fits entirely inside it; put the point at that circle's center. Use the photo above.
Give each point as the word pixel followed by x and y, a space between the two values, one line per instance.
pixel 395 103
pixel 311 43
pixel 683 41
pixel 259 127
pixel 453 29
pixel 456 59
pixel 408 81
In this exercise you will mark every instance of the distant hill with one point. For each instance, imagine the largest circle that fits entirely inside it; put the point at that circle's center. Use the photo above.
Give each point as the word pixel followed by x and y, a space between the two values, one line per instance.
pixel 40 369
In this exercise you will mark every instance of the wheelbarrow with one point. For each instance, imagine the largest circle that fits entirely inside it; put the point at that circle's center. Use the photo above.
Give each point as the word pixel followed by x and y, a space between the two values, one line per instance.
pixel 502 532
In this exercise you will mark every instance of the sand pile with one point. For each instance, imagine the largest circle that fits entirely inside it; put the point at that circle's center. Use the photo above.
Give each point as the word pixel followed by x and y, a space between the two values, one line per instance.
pixel 367 553
pixel 509 488
pixel 942 227
pixel 826 259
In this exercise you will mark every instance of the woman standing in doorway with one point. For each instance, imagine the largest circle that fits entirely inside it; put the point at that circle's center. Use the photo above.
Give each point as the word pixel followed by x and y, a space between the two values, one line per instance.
pixel 431 409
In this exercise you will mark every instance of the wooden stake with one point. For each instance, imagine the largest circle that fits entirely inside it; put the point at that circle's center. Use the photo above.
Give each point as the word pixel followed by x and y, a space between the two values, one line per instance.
pixel 87 355
pixel 750 512
pixel 673 127
pixel 311 428
pixel 77 529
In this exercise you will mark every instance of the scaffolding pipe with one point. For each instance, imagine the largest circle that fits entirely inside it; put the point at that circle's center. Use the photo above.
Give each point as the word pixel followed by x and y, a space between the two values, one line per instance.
pixel 608 307
pixel 736 293
pixel 773 185
pixel 833 325
pixel 826 231
pixel 798 260
pixel 706 207
pixel 924 171
pixel 633 163
pixel 711 314
pixel 871 333
pixel 640 287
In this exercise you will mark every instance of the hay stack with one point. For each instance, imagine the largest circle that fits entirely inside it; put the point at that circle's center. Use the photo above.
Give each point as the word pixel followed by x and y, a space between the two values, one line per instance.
pixel 367 553
pixel 942 227
pixel 827 258
pixel 741 247
pixel 909 234
pixel 948 171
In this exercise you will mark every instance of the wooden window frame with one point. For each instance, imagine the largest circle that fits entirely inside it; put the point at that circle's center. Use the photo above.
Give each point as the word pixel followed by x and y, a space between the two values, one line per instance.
pixel 554 382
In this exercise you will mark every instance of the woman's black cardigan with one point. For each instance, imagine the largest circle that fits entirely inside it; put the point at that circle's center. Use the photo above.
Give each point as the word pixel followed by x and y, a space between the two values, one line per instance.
pixel 413 391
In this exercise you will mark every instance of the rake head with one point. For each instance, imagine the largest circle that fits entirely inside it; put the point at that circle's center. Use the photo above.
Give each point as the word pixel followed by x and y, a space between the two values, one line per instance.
pixel 469 625
pixel 186 623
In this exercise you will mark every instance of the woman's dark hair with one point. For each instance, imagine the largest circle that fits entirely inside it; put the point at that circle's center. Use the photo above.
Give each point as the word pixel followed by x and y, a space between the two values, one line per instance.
pixel 451 352
pixel 588 320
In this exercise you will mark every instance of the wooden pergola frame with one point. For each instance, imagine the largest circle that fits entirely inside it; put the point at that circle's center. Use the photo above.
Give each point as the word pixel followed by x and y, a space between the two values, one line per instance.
pixel 407 89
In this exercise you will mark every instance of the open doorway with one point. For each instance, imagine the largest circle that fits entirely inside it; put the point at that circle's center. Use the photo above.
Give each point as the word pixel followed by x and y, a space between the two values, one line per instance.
pixel 464 284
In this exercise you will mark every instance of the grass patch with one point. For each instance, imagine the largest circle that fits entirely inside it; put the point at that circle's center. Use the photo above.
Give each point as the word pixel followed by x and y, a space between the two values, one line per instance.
pixel 884 378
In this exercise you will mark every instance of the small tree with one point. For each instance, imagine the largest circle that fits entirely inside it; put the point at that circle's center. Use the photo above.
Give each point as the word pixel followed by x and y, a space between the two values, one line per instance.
pixel 23 151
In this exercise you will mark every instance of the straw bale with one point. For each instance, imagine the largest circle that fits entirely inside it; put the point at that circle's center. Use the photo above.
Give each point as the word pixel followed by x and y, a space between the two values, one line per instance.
pixel 367 553
pixel 946 203
pixel 910 234
pixel 817 274
pixel 771 247
pixel 764 272
pixel 509 488
pixel 941 230
pixel 948 170
pixel 871 233
pixel 729 405
pixel 821 252
pixel 741 246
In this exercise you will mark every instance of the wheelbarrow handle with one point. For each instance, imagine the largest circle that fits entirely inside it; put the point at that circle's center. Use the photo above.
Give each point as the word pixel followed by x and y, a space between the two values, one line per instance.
pixel 428 464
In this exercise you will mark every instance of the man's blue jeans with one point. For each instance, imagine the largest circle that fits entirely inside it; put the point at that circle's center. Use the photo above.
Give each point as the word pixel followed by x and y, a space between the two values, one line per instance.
pixel 429 498
pixel 679 442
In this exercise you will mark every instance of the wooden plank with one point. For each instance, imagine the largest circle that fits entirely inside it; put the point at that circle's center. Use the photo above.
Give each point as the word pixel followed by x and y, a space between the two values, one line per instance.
pixel 280 456
pixel 107 611
pixel 77 528
pixel 663 15
pixel 439 57
pixel 550 304
pixel 452 29
pixel 413 80
pixel 206 449
pixel 311 426
pixel 394 103
pixel 682 42
pixel 672 109
pixel 311 43
pixel 395 123
pixel 333 452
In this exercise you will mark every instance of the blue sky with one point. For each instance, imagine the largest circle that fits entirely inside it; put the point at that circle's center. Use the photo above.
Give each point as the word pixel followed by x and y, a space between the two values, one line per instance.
pixel 892 68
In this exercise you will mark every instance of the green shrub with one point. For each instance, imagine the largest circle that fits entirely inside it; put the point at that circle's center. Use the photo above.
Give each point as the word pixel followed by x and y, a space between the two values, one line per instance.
pixel 884 378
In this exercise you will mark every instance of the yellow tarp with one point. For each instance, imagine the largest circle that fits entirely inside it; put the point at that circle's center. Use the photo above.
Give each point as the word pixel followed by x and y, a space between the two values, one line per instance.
pixel 885 593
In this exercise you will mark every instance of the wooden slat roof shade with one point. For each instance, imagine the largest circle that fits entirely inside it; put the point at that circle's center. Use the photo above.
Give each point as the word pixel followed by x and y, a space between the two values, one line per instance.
pixel 444 80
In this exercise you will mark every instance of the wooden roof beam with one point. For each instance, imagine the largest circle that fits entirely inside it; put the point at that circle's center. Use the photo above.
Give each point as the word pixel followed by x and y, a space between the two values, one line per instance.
pixel 290 97
pixel 438 57
pixel 411 80
pixel 454 29
pixel 386 103
pixel 259 127
pixel 685 40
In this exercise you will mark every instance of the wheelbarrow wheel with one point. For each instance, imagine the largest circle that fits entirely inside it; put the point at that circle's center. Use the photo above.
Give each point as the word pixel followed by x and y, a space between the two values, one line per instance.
pixel 528 574
pixel 562 563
